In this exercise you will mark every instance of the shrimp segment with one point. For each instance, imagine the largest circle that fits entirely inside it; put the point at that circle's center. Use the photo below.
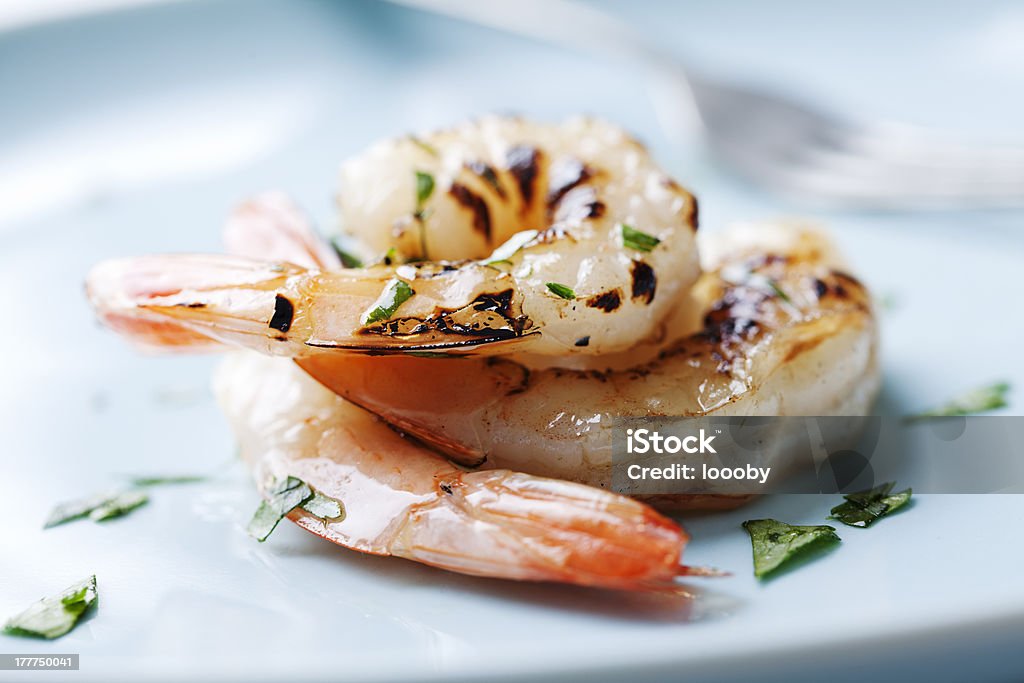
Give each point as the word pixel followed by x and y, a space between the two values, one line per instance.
pixel 555 235
pixel 785 333
pixel 403 500
pixel 279 308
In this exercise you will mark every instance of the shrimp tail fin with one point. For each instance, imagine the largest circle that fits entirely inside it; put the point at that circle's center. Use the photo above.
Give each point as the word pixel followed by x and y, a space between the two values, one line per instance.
pixel 272 226
pixel 538 529
pixel 192 302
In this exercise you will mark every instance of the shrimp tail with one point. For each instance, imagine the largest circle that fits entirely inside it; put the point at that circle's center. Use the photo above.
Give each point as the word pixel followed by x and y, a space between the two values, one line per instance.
pixel 193 302
pixel 533 528
pixel 271 223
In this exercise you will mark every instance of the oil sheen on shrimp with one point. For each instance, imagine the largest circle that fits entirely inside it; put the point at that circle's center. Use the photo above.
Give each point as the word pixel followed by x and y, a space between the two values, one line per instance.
pixel 403 500
pixel 558 240
pixel 785 333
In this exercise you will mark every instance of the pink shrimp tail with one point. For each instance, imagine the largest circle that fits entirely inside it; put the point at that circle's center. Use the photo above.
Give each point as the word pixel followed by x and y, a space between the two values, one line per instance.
pixel 170 303
pixel 538 529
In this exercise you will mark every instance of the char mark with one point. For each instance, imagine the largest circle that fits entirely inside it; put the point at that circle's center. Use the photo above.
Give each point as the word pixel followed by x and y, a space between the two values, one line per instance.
pixel 475 203
pixel 565 175
pixel 839 289
pixel 578 205
pixel 523 163
pixel 583 341
pixel 500 303
pixel 606 301
pixel 645 282
pixel 284 311
pixel 488 316
pixel 486 172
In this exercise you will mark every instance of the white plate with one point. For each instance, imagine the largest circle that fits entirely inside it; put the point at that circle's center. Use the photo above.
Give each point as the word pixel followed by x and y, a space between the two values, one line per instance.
pixel 134 132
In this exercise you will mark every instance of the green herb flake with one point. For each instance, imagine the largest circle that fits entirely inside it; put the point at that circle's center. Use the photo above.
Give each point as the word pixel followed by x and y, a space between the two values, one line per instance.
pixel 511 247
pixel 775 543
pixel 263 522
pixel 425 146
pixel 561 290
pixel 75 509
pixel 54 616
pixel 779 292
pixel 282 496
pixel 991 397
pixel 634 239
pixel 118 506
pixel 741 276
pixel 173 479
pixel 424 188
pixel 326 508
pixel 395 293
pixel 348 259
pixel 109 505
pixel 866 507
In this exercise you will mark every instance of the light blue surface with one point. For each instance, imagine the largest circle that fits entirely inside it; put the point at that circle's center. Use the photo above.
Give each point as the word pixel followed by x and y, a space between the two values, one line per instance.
pixel 136 132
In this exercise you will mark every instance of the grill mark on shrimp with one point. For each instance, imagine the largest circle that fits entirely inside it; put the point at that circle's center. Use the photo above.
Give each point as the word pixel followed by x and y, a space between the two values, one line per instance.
pixel 475 203
pixel 523 163
pixel 606 301
pixel 691 201
pixel 566 174
pixel 490 315
pixel 577 205
pixel 645 282
pixel 486 172
pixel 284 311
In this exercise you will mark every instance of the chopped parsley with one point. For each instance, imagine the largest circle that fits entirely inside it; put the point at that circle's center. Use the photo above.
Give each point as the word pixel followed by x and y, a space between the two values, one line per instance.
pixel 424 188
pixel 979 400
pixel 775 543
pixel 779 292
pixel 560 290
pixel 395 293
pixel 511 247
pixel 634 239
pixel 326 508
pixel 348 259
pixel 740 275
pixel 283 496
pixel 390 257
pixel 54 616
pixel 118 506
pixel 425 146
pixel 98 507
pixel 866 507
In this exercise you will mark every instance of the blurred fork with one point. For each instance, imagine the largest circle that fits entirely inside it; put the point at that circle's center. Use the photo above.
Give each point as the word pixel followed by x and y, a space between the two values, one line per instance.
pixel 772 140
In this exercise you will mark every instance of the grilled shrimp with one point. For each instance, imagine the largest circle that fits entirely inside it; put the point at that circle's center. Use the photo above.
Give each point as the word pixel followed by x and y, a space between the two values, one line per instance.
pixel 560 240
pixel 758 337
pixel 785 333
pixel 403 500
